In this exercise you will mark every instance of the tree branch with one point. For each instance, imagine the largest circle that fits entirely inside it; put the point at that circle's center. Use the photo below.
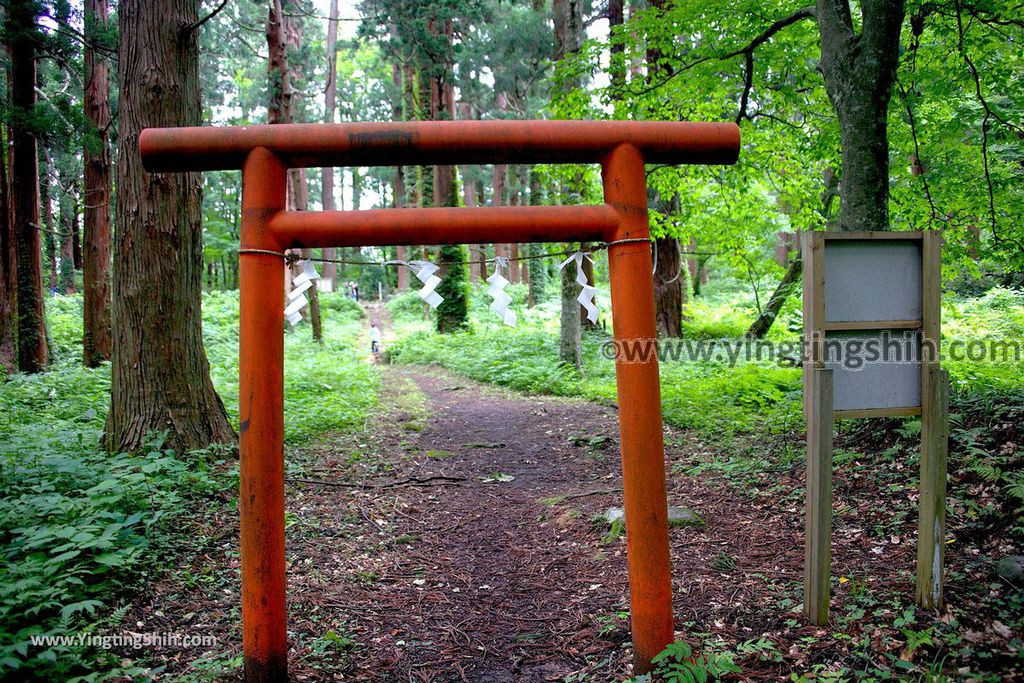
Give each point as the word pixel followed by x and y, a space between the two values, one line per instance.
pixel 748 54
pixel 211 15
pixel 765 36
pixel 917 149
pixel 984 130
pixel 747 50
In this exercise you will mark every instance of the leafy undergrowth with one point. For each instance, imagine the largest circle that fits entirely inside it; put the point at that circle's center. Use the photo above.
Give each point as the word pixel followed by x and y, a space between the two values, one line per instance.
pixel 711 396
pixel 748 417
pixel 83 529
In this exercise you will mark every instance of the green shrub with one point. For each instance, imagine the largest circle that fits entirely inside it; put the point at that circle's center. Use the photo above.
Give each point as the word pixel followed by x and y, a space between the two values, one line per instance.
pixel 346 308
pixel 408 306
pixel 64 328
pixel 80 526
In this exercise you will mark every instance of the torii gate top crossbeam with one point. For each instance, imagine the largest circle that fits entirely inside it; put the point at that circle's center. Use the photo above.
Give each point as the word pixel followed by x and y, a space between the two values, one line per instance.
pixel 440 142
pixel 426 143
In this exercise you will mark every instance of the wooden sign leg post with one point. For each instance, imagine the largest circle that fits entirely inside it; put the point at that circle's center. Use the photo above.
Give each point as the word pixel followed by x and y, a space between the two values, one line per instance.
pixel 931 529
pixel 818 530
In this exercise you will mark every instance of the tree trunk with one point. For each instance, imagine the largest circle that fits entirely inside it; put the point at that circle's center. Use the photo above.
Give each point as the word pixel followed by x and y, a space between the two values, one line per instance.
pixel 330 104
pixel 498 183
pixel 76 241
pixel 536 265
pixel 790 281
pixel 67 211
pixel 569 338
pixel 284 27
pixel 160 378
pixel 401 201
pixel 669 293
pixel 96 194
pixel 22 43
pixel 617 52
pixel 568 23
pixel 8 281
pixel 452 313
pixel 760 327
pixel 859 71
pixel 49 231
pixel 476 251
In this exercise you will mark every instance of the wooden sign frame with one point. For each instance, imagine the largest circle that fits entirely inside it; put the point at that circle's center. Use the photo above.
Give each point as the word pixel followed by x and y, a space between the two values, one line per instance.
pixel 820 391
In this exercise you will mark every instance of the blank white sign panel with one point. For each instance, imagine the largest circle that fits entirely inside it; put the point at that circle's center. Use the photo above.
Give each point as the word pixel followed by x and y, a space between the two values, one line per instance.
pixel 872 280
pixel 892 384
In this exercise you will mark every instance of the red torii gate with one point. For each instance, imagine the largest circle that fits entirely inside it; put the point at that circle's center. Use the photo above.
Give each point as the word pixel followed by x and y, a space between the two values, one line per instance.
pixel 265 153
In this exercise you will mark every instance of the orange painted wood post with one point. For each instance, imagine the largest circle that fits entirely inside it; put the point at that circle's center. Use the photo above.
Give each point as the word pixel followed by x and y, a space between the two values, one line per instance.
pixel 261 423
pixel 639 393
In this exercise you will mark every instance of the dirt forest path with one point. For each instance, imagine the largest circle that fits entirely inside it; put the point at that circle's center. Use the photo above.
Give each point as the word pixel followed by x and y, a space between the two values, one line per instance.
pixel 377 312
pixel 459 537
pixel 456 540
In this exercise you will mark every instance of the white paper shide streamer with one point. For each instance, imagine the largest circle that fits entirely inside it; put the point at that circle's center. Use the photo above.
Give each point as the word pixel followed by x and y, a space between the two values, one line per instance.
pixel 297 297
pixel 426 271
pixel 586 297
pixel 497 291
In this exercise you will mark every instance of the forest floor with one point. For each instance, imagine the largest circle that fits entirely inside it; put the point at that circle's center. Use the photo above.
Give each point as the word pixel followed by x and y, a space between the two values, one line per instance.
pixel 461 538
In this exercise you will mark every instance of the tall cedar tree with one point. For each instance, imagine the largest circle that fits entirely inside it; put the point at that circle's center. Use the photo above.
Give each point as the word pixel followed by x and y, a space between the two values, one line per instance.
pixel 568 39
pixel 96 192
pixel 453 312
pixel 330 103
pixel 284 29
pixel 160 377
pixel 23 39
pixel 8 281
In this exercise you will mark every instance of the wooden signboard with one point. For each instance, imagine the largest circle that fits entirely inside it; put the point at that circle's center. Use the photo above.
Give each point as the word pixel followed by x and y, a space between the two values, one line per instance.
pixel 871 334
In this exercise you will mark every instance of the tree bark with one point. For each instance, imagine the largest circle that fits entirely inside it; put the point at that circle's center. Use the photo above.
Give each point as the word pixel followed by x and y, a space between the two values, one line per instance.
pixel 859 71
pixel 67 211
pixel 537 266
pixel 568 23
pixel 452 313
pixel 22 43
pixel 617 52
pixel 790 281
pixel 160 377
pixel 401 201
pixel 49 231
pixel 330 104
pixel 569 338
pixel 669 293
pixel 284 27
pixel 8 281
pixel 499 179
pixel 96 195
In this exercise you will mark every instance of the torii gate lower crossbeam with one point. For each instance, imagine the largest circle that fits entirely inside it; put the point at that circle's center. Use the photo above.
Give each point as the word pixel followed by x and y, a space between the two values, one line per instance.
pixel 265 153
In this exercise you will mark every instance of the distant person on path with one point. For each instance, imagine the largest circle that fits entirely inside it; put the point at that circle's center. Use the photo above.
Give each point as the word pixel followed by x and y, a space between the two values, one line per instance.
pixel 374 338
pixel 355 291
